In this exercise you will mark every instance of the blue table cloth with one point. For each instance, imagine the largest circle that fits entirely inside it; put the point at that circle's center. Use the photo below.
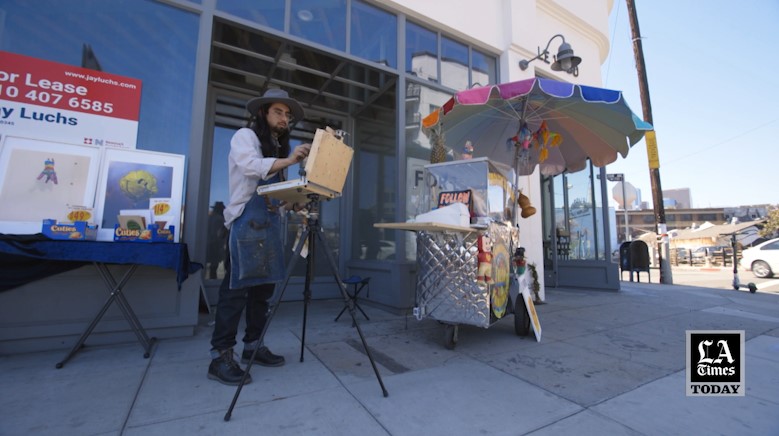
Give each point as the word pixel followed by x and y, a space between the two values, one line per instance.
pixel 25 258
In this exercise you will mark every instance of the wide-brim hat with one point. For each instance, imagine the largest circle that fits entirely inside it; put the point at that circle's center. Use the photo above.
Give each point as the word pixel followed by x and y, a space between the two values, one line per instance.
pixel 275 95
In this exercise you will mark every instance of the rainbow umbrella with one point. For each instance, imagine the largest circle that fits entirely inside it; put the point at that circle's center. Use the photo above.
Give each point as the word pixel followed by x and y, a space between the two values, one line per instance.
pixel 556 126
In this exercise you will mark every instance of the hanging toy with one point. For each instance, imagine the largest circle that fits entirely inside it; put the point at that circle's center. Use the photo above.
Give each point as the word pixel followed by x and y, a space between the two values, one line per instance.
pixel 522 139
pixel 542 134
pixel 524 202
pixel 48 171
pixel 484 274
pixel 519 261
pixel 544 139
pixel 525 136
pixel 467 150
pixel 543 155
pixel 555 139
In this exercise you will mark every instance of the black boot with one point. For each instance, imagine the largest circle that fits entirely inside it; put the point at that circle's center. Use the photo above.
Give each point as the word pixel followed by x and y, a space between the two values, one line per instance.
pixel 264 357
pixel 226 370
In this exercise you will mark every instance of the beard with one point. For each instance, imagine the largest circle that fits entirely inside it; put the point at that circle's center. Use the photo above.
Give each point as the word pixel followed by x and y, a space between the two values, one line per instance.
pixel 279 130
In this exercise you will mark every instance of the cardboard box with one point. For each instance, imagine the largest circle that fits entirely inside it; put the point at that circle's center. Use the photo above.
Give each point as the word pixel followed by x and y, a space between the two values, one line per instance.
pixel 152 233
pixel 75 231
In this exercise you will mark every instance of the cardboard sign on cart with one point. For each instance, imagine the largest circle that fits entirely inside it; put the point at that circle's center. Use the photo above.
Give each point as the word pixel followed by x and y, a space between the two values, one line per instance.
pixel 531 312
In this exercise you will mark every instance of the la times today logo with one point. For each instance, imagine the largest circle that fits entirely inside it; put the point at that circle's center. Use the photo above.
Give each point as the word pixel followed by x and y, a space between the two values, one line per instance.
pixel 715 363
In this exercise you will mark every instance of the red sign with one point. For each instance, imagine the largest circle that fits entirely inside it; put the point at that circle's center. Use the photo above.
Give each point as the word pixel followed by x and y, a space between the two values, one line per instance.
pixel 446 198
pixel 25 79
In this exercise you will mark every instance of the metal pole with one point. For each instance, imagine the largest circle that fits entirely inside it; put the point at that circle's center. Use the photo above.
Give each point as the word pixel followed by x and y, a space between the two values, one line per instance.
pixel 651 143
pixel 625 210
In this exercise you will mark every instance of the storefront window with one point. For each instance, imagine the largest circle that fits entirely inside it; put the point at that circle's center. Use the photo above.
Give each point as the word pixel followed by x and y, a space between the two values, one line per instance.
pixel 580 220
pixel 375 183
pixel 320 22
pixel 149 41
pixel 420 101
pixel 374 34
pixel 421 52
pixel 454 64
pixel 483 69
pixel 597 203
pixel 560 201
pixel 264 12
pixel 579 231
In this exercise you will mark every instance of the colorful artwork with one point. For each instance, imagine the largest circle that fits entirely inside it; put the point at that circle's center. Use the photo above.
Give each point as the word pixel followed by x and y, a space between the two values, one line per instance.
pixel 130 179
pixel 530 307
pixel 501 266
pixel 130 186
pixel 30 194
pixel 48 171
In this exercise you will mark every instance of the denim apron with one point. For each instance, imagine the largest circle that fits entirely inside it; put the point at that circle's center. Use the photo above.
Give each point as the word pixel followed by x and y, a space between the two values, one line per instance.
pixel 256 253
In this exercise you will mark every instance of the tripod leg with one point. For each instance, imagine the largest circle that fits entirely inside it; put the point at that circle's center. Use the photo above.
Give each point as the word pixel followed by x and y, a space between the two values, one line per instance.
pixel 307 290
pixel 275 305
pixel 352 313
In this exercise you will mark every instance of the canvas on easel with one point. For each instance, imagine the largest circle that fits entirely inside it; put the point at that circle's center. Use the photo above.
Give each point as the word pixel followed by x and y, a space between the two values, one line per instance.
pixel 325 170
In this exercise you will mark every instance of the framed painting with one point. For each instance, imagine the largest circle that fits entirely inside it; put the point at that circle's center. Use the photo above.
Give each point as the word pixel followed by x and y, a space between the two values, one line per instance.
pixel 130 178
pixel 41 179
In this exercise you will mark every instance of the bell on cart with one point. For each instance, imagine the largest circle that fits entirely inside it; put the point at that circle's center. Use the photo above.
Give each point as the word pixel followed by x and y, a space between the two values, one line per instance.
pixel 527 209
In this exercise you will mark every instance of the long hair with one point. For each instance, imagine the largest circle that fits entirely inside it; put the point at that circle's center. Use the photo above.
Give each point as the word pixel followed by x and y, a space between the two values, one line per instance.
pixel 259 124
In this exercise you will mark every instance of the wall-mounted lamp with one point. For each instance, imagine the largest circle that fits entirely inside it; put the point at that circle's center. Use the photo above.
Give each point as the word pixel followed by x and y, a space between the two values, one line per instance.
pixel 564 61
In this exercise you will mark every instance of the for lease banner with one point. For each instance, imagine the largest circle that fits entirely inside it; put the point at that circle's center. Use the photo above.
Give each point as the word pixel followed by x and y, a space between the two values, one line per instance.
pixel 47 100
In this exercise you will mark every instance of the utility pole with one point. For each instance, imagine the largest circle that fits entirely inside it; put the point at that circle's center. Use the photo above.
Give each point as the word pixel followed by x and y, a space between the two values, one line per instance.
pixel 651 147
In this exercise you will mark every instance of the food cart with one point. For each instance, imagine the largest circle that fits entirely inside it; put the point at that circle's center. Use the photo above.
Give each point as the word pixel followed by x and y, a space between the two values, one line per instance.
pixel 467 273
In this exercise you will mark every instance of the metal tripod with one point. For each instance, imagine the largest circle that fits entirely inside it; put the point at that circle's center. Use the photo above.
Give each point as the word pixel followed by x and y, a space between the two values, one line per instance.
pixel 310 235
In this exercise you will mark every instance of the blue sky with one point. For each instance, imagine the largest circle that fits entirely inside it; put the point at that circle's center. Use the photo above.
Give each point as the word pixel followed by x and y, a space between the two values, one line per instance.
pixel 713 71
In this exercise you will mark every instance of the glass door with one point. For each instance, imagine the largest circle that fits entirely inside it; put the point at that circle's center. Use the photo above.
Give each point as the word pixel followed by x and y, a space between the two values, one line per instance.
pixel 548 223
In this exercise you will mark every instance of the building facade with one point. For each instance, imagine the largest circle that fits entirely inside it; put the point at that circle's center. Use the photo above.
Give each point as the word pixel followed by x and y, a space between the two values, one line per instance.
pixel 372 68
pixel 641 222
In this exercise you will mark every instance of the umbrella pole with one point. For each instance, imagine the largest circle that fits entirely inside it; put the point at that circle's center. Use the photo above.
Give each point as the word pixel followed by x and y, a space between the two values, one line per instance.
pixel 516 168
pixel 516 187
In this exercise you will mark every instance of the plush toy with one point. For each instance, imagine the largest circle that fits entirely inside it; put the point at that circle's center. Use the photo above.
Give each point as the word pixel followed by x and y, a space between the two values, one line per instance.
pixel 467 150
pixel 524 202
pixel 524 136
pixel 484 275
pixel 522 139
pixel 519 261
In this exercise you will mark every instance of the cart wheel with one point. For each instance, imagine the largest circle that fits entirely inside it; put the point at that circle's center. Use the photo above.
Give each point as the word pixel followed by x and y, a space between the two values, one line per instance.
pixel 450 336
pixel 521 318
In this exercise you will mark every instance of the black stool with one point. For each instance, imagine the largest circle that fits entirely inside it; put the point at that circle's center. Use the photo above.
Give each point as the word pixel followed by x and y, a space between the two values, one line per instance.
pixel 358 284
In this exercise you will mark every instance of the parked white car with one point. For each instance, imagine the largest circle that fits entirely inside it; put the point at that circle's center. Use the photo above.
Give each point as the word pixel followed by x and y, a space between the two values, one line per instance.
pixel 762 259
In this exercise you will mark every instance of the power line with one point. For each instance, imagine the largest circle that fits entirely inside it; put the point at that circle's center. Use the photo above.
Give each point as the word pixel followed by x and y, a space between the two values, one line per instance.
pixel 723 142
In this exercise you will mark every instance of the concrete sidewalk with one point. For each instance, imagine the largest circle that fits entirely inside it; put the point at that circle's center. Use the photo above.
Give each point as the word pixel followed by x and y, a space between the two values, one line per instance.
pixel 608 363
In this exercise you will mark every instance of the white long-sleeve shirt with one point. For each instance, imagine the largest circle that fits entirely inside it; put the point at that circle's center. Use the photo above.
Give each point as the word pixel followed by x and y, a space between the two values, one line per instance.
pixel 247 166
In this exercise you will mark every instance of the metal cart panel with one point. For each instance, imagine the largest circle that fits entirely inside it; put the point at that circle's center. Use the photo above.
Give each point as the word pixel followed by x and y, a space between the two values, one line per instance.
pixel 447 289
